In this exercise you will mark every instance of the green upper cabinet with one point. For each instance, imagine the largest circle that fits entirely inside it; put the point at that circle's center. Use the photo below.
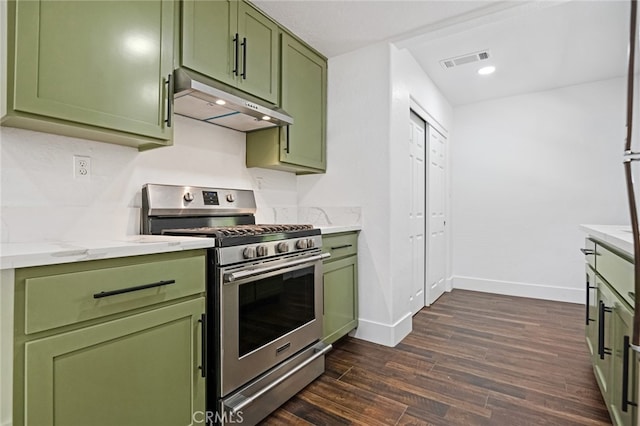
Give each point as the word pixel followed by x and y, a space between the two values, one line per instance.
pixel 301 147
pixel 93 69
pixel 233 43
pixel 208 33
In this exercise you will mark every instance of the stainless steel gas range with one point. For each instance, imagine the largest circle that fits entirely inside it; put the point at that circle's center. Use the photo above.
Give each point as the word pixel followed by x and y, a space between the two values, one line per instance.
pixel 264 298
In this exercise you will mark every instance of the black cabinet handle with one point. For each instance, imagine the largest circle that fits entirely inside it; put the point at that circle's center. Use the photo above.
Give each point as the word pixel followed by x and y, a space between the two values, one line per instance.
pixel 130 289
pixel 602 350
pixel 169 100
pixel 203 345
pixel 244 58
pixel 625 376
pixel 235 48
pixel 588 252
pixel 632 294
pixel 588 301
pixel 341 247
pixel 287 141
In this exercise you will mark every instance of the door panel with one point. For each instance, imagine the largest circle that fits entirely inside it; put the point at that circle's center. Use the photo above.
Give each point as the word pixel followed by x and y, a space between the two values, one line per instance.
pixel 258 54
pixel 108 374
pixel 208 30
pixel 622 324
pixel 603 364
pixel 96 62
pixel 340 298
pixel 591 330
pixel 417 140
pixel 437 241
pixel 304 94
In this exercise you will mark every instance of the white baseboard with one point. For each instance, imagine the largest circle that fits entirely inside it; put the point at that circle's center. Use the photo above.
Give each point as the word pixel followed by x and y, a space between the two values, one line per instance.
pixel 384 334
pixel 535 291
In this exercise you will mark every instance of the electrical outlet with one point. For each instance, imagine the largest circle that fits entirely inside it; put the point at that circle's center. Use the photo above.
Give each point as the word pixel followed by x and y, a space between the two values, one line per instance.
pixel 81 167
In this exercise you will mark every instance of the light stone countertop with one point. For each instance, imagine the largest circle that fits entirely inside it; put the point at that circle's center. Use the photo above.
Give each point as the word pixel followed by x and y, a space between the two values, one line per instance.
pixel 23 255
pixel 335 229
pixel 618 236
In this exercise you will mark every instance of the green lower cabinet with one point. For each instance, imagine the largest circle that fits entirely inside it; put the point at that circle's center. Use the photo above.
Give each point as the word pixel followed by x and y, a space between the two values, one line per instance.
pixel 340 281
pixel 110 342
pixel 609 324
pixel 340 298
pixel 138 370
pixel 623 384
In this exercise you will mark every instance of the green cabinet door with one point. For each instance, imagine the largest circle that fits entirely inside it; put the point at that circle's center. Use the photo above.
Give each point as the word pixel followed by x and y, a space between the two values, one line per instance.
pixel 258 54
pixel 138 370
pixel 233 43
pixel 98 63
pixel 340 298
pixel 603 361
pixel 300 147
pixel 591 314
pixel 623 413
pixel 209 38
pixel 304 96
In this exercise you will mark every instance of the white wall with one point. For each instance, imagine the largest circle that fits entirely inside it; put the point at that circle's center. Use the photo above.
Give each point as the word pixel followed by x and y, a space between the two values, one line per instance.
pixel 367 150
pixel 358 169
pixel 41 200
pixel 526 171
pixel 408 83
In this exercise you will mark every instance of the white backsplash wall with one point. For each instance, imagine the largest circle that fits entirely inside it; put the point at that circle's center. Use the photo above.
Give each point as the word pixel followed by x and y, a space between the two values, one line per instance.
pixel 327 216
pixel 41 200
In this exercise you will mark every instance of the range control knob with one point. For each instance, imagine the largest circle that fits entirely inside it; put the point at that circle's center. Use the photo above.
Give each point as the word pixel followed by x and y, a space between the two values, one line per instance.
pixel 311 243
pixel 261 251
pixel 230 198
pixel 301 244
pixel 282 247
pixel 188 197
pixel 249 252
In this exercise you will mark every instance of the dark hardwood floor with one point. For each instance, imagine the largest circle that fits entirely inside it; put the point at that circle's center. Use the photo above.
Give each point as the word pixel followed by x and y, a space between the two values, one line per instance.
pixel 471 359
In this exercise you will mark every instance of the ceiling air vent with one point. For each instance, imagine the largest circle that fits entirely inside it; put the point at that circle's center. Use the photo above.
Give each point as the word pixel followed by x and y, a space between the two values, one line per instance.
pixel 464 59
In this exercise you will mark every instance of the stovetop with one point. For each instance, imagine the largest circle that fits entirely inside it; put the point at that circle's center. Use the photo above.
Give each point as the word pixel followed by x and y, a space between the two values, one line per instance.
pixel 247 234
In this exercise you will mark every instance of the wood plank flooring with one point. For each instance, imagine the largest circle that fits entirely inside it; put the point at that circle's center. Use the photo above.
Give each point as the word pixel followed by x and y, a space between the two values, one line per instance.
pixel 471 359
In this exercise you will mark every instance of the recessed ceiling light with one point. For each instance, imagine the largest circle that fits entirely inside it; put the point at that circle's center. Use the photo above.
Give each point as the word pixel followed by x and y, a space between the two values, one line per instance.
pixel 266 117
pixel 220 102
pixel 487 70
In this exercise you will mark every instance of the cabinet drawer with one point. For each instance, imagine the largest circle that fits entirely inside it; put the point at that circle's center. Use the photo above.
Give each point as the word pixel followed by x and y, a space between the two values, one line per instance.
pixel 340 245
pixel 66 294
pixel 617 271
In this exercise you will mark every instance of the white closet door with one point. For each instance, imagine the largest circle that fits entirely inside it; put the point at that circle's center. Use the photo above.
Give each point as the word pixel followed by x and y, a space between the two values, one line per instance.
pixel 417 220
pixel 437 242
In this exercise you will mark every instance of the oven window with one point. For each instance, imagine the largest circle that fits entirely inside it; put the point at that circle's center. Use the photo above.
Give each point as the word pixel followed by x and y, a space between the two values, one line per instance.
pixel 272 307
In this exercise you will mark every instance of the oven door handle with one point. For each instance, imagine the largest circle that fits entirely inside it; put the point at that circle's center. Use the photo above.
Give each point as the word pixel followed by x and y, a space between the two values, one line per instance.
pixel 234 276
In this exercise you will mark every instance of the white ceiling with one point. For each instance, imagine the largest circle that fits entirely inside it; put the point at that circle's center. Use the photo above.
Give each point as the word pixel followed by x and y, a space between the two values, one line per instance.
pixel 535 45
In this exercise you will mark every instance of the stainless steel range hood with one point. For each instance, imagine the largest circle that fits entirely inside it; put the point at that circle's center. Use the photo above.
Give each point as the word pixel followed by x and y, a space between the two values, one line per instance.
pixel 204 99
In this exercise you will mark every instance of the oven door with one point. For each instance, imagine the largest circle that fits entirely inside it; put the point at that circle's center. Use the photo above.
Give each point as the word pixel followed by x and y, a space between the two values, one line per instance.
pixel 268 312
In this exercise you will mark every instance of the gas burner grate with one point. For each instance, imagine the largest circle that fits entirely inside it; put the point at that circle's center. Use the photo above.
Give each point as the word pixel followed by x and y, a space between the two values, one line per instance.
pixel 235 231
pixel 259 229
